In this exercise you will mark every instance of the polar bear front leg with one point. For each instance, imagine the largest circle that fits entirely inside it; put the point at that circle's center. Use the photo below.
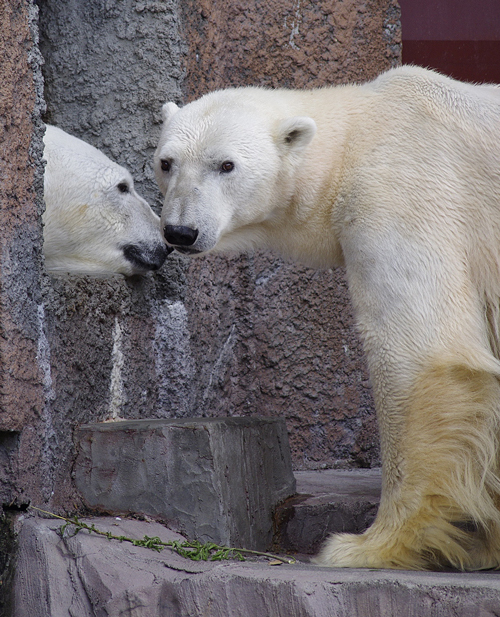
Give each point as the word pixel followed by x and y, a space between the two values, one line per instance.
pixel 437 397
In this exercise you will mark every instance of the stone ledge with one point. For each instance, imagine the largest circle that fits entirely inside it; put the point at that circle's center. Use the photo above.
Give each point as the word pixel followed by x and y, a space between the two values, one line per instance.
pixel 212 479
pixel 330 501
pixel 87 575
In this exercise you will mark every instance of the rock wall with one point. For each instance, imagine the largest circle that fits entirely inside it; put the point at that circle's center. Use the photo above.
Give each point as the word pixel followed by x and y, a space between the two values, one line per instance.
pixel 210 337
pixel 21 172
pixel 267 336
pixel 113 344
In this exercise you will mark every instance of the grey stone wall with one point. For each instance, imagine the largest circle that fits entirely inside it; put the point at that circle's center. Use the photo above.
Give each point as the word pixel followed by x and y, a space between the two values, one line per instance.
pixel 21 204
pixel 109 66
pixel 217 336
pixel 113 344
pixel 21 176
pixel 211 337
pixel 268 336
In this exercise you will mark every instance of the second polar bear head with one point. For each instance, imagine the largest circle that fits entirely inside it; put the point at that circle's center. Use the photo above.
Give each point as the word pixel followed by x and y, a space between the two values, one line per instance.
pixel 225 163
pixel 94 220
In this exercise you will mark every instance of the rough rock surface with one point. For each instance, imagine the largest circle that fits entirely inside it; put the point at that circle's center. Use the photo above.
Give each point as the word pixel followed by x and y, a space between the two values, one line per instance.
pixel 330 501
pixel 21 173
pixel 245 336
pixel 273 337
pixel 212 479
pixel 89 576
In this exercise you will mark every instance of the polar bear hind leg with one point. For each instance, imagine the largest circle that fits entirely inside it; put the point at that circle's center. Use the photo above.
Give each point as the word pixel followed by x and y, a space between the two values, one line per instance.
pixel 442 510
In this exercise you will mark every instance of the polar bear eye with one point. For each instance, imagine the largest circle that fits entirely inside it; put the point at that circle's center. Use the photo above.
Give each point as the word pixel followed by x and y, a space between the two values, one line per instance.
pixel 165 164
pixel 226 167
pixel 123 187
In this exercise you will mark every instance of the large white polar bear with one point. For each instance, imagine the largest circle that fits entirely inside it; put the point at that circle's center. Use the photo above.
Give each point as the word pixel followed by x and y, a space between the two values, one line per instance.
pixel 398 180
pixel 94 220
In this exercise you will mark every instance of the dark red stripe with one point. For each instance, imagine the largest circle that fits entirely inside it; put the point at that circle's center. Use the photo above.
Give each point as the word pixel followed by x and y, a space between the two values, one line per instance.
pixel 476 61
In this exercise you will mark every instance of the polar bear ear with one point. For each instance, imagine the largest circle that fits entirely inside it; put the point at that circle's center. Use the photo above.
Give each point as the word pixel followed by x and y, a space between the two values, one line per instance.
pixel 168 110
pixel 295 133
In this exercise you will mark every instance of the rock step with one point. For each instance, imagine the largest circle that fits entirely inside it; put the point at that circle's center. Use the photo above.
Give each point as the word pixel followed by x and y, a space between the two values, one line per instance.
pixel 86 575
pixel 211 479
pixel 329 501
pixel 219 480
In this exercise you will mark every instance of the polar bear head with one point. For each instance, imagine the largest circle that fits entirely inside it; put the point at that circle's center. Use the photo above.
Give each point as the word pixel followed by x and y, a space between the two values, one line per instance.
pixel 225 164
pixel 94 220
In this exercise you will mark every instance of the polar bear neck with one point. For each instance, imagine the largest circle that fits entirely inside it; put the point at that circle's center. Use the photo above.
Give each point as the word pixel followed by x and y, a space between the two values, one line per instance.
pixel 304 225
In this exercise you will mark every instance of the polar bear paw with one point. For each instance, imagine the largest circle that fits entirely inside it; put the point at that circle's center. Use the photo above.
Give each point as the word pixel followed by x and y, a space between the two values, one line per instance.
pixel 346 551
pixel 365 551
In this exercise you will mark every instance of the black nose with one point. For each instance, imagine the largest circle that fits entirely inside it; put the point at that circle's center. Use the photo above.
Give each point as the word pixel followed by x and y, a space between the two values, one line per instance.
pixel 179 235
pixel 146 256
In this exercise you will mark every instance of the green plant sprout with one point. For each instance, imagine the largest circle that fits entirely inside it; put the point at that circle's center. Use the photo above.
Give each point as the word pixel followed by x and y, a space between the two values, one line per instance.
pixel 193 550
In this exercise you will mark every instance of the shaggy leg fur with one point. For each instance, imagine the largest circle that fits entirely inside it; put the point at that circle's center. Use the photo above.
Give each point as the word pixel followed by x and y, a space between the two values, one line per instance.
pixel 447 476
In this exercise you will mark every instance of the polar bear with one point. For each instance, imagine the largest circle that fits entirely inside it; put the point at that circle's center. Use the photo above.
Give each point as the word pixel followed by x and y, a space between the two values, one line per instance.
pixel 94 220
pixel 397 180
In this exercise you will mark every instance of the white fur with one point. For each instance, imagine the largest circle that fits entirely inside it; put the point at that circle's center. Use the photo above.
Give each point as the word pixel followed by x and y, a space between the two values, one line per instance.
pixel 399 183
pixel 90 225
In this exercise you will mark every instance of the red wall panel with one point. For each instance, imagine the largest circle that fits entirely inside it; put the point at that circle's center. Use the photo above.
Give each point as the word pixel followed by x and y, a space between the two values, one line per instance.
pixel 457 37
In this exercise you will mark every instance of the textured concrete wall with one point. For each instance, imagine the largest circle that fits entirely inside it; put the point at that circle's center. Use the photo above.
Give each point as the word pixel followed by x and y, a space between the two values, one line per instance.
pixel 21 172
pixel 113 343
pixel 108 68
pixel 217 336
pixel 211 337
pixel 267 336
pixel 288 43
pixel 20 240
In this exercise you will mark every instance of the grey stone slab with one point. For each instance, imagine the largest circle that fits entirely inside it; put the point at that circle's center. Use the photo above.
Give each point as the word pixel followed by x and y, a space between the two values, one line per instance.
pixel 213 479
pixel 330 501
pixel 347 485
pixel 88 575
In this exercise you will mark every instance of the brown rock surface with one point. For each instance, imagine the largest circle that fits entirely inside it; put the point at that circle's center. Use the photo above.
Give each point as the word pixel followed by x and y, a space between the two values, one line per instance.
pixel 270 337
